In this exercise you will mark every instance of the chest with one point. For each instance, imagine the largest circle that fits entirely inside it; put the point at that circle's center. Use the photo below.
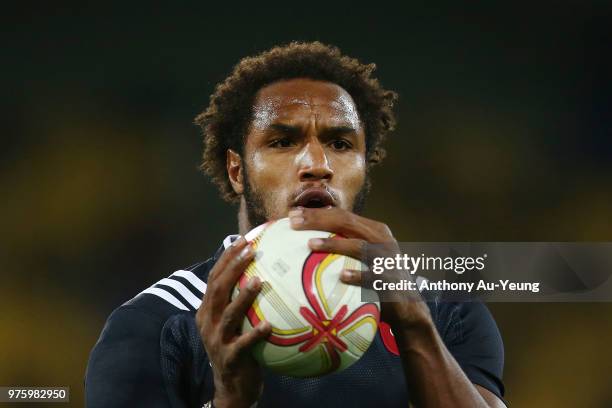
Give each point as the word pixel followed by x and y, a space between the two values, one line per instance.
pixel 377 379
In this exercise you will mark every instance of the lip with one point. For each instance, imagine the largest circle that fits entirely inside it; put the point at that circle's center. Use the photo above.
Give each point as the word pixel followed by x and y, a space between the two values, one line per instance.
pixel 315 197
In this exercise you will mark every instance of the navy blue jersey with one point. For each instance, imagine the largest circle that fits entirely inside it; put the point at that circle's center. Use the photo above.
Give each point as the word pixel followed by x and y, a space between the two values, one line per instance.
pixel 150 355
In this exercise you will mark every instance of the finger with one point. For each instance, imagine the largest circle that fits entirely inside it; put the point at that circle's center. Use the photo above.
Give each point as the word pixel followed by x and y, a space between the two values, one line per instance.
pixel 234 313
pixel 218 291
pixel 349 247
pixel 358 278
pixel 351 277
pixel 235 267
pixel 339 221
pixel 248 339
pixel 227 255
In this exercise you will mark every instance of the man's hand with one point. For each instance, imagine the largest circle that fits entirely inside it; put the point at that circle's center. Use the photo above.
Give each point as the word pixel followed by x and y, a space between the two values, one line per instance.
pixel 433 376
pixel 237 377
pixel 359 232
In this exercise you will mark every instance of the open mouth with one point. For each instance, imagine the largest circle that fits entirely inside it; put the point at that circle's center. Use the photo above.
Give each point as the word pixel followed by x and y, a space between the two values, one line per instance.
pixel 314 198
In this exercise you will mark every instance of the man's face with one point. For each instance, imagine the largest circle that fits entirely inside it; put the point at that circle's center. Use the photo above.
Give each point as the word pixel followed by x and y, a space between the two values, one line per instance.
pixel 305 147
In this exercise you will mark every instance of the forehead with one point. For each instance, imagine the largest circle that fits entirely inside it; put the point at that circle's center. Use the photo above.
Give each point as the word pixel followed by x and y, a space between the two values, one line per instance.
pixel 300 98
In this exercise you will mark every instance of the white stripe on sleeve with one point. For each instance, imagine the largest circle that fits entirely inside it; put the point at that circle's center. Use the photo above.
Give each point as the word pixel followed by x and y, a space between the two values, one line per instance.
pixel 183 291
pixel 166 296
pixel 192 278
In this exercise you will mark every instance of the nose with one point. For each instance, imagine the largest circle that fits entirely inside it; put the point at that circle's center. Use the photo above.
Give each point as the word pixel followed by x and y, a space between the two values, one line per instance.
pixel 313 163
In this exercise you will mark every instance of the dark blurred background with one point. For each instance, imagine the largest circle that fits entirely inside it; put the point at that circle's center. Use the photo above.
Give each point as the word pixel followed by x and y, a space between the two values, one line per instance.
pixel 504 134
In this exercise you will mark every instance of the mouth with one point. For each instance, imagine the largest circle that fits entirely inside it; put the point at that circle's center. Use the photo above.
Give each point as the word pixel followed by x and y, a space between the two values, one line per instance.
pixel 315 197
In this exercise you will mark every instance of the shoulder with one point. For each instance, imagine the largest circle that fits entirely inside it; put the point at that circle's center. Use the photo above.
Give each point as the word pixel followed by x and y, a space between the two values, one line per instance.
pixel 128 357
pixel 146 313
pixel 468 322
pixel 471 335
pixel 181 291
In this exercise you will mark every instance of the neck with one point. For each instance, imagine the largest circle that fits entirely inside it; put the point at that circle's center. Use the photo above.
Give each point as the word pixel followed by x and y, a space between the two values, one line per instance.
pixel 244 225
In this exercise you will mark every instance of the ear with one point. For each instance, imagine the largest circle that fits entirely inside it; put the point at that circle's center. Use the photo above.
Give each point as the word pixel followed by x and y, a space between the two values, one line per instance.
pixel 234 170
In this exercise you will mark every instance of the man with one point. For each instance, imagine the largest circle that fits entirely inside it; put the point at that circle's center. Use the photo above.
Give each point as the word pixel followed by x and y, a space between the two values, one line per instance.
pixel 291 132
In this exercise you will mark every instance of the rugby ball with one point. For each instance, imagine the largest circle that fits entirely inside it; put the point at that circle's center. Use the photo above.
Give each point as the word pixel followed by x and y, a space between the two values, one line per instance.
pixel 320 325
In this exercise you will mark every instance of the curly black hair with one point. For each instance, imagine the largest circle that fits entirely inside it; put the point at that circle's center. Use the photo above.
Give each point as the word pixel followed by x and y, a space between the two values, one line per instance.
pixel 228 116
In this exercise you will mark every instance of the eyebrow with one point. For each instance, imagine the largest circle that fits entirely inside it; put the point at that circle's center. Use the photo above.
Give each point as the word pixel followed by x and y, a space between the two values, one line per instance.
pixel 294 130
pixel 340 129
pixel 284 128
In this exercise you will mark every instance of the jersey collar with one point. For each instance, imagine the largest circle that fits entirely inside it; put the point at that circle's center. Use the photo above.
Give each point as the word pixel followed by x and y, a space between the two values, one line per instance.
pixel 227 242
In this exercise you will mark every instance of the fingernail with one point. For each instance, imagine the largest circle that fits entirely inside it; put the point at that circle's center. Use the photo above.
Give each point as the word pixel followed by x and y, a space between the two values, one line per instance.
pixel 264 326
pixel 296 221
pixel 316 243
pixel 346 274
pixel 239 241
pixel 253 283
pixel 246 251
pixel 298 212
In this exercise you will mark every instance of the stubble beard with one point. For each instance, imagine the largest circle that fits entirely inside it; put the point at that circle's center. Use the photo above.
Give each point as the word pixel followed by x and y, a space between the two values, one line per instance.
pixel 257 213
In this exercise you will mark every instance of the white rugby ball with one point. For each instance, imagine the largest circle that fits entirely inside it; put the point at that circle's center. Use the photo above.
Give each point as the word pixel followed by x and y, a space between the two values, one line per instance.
pixel 319 324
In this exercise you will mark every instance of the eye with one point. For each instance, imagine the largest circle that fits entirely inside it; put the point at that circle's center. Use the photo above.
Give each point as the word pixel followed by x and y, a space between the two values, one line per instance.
pixel 284 142
pixel 341 144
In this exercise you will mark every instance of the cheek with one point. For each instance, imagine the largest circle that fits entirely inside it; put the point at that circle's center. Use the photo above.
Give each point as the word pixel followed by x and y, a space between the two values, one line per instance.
pixel 256 165
pixel 259 174
pixel 264 172
pixel 351 177
pixel 269 177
